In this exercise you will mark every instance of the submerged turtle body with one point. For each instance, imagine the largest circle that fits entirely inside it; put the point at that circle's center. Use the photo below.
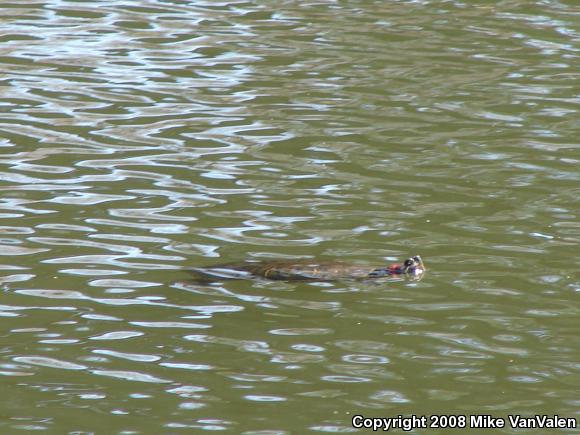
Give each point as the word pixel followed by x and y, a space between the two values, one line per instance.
pixel 309 270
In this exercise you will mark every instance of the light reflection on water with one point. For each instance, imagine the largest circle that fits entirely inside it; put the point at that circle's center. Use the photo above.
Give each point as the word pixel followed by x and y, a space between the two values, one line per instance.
pixel 141 140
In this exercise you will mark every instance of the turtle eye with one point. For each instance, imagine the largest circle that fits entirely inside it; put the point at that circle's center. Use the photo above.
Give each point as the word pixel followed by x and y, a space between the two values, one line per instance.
pixel 409 262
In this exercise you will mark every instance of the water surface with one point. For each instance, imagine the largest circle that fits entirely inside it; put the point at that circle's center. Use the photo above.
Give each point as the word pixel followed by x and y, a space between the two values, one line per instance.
pixel 141 138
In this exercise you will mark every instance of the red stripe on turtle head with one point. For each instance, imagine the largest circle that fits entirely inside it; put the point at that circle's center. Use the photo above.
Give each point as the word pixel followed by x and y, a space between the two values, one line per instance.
pixel 396 268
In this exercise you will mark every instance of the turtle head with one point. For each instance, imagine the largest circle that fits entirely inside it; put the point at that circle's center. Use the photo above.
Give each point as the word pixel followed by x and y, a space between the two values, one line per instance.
pixel 411 266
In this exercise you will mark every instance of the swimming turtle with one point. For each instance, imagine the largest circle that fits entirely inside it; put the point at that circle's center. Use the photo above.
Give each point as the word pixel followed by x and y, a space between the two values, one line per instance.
pixel 308 270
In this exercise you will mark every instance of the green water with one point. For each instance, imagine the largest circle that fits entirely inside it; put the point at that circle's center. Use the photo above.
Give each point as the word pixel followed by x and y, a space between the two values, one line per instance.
pixel 141 138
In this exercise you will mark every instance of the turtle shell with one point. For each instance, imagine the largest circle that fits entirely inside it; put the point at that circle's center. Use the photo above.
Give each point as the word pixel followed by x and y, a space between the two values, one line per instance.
pixel 306 270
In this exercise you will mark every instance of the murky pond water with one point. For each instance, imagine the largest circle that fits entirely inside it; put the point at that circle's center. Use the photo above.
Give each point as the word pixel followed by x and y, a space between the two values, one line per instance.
pixel 141 138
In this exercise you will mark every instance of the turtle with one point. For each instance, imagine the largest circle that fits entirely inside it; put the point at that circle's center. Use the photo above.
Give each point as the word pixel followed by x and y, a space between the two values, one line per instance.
pixel 308 270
